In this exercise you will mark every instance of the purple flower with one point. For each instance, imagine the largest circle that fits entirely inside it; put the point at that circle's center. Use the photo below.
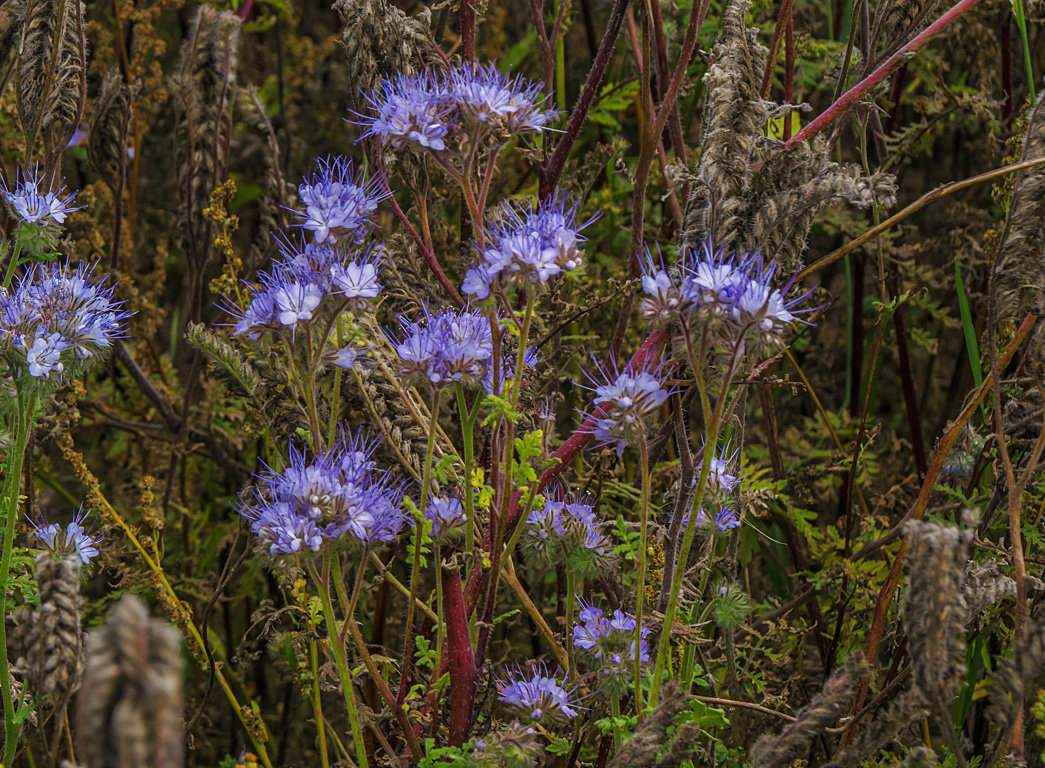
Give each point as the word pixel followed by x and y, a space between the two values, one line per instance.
pixel 489 99
pixel 28 203
pixel 726 519
pixel 567 532
pixel 53 309
pixel 624 401
pixel 293 289
pixel 536 695
pixel 413 108
pixel 531 244
pixel 338 202
pixel 445 347
pixel 324 497
pixel 76 539
pixel 445 514
pixel 507 370
pixel 608 644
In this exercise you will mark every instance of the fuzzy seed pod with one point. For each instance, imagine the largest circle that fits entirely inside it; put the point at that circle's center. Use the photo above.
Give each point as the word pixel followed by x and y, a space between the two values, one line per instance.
pixel 381 41
pixel 825 708
pixel 49 640
pixel 133 713
pixel 52 64
pixel 642 749
pixel 107 131
pixel 1019 268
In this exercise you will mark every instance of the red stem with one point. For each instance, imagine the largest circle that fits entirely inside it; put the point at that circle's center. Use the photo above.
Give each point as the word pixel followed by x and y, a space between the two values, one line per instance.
pixel 856 94
pixel 468 30
pixel 782 21
pixel 460 662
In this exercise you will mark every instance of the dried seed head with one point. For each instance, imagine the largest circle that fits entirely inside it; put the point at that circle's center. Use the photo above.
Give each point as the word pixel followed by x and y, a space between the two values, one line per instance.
pixel 935 613
pixel 50 643
pixel 131 709
pixel 52 65
pixel 775 751
pixel 381 41
pixel 107 131
pixel 1019 268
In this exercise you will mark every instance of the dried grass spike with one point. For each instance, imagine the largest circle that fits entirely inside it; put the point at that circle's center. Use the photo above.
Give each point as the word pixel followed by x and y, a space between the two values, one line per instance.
pixel 134 713
pixel 52 65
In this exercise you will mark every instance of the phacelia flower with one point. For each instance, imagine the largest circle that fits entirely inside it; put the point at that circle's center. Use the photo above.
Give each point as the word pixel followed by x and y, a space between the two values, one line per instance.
pixel 607 644
pixel 446 347
pixel 733 292
pixel 412 108
pixel 531 244
pixel 324 498
pixel 488 99
pixel 74 539
pixel 565 532
pixel 303 282
pixel 28 203
pixel 623 402
pixel 726 519
pixel 53 310
pixel 537 695
pixel 445 514
pixel 338 202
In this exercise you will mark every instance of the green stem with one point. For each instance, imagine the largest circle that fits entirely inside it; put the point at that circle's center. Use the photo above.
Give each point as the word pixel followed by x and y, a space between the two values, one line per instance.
pixel 26 416
pixel 571 596
pixel 317 704
pixel 615 711
pixel 1021 22
pixel 419 531
pixel 467 425
pixel 337 647
pixel 640 590
pixel 336 401
pixel 16 254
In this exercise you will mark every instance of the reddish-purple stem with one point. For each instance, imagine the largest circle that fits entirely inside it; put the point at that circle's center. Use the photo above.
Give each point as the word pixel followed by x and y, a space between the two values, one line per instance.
pixel 459 658
pixel 856 94
pixel 774 47
pixel 550 172
pixel 468 30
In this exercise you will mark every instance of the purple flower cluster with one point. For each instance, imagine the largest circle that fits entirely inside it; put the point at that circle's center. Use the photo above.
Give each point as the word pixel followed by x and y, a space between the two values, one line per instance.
pixel 567 532
pixel 323 498
pixel 446 516
pixel 531 244
pixel 507 369
pixel 466 104
pixel 537 695
pixel 733 290
pixel 447 346
pixel 54 310
pixel 338 203
pixel 75 539
pixel 720 484
pixel 624 401
pixel 30 205
pixel 608 642
pixel 294 288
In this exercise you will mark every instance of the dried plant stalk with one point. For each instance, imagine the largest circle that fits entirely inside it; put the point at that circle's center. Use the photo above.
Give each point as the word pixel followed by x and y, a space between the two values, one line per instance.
pixel 107 130
pixel 131 711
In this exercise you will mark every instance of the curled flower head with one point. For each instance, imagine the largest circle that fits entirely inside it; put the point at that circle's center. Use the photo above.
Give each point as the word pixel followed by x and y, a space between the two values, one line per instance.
pixel 338 202
pixel 489 100
pixel 412 108
pixel 531 244
pixel 56 315
pixel 445 347
pixel 536 695
pixel 329 497
pixel 76 539
pixel 33 205
pixel 623 402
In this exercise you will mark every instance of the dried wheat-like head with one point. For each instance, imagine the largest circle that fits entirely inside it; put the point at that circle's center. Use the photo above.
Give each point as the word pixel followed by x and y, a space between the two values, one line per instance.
pixel 935 612
pixel 52 62
pixel 777 750
pixel 48 643
pixel 751 192
pixel 107 130
pixel 380 41
pixel 1019 268
pixel 130 710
